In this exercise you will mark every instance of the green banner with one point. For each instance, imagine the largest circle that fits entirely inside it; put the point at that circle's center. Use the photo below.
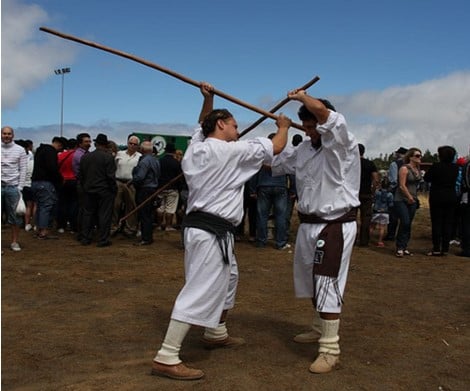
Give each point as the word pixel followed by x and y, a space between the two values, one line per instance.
pixel 160 141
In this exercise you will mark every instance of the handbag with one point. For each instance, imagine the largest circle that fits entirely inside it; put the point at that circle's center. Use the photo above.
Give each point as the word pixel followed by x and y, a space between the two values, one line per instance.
pixel 21 206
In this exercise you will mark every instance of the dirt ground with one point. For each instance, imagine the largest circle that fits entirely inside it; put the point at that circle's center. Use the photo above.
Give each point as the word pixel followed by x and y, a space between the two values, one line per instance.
pixel 87 318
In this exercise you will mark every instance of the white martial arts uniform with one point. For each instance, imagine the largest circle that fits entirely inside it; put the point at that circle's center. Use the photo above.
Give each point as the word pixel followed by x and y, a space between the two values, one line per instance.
pixel 215 172
pixel 327 183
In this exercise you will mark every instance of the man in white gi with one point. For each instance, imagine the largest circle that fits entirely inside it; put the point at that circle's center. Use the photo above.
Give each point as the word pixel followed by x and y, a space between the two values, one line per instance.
pixel 327 170
pixel 216 167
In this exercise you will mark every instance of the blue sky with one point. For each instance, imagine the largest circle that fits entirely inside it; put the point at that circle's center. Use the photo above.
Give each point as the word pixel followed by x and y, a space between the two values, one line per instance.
pixel 398 70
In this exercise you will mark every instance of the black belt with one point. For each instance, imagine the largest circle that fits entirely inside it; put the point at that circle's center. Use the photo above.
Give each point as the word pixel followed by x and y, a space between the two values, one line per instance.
pixel 123 180
pixel 216 225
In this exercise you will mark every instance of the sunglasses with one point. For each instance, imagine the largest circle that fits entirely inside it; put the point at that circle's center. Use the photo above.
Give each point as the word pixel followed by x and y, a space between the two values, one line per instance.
pixel 417 155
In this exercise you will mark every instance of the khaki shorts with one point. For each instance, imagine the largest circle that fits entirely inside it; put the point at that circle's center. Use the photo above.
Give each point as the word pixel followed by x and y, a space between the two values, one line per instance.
pixel 168 201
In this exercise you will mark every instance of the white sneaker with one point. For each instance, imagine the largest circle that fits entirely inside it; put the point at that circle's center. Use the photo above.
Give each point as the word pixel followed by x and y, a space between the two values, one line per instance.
pixel 28 227
pixel 285 247
pixel 61 230
pixel 15 246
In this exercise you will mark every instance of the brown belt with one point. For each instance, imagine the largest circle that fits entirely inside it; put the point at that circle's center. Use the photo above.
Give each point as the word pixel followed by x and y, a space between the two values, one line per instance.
pixel 314 219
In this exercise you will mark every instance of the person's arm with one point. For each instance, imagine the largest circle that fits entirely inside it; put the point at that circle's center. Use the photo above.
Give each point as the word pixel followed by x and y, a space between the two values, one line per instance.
pixel 207 92
pixel 280 139
pixel 375 180
pixel 316 107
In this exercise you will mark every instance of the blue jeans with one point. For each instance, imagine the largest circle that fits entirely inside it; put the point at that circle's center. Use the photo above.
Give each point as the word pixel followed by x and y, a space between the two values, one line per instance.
pixel 405 213
pixel 271 197
pixel 10 198
pixel 46 198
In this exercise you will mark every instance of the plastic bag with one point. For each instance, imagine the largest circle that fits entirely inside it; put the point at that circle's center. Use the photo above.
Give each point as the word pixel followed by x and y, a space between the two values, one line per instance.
pixel 21 206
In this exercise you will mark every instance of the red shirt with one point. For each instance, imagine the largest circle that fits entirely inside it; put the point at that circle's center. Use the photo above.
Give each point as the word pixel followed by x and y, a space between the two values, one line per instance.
pixel 65 164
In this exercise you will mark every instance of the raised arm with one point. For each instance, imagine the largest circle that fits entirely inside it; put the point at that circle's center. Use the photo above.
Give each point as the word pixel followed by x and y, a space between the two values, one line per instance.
pixel 315 106
pixel 207 90
pixel 280 139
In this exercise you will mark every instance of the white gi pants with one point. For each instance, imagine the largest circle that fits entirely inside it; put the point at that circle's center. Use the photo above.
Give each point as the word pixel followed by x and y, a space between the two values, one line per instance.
pixel 210 284
pixel 305 246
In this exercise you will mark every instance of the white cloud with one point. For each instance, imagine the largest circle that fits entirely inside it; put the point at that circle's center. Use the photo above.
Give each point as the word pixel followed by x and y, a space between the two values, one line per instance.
pixel 27 57
pixel 426 115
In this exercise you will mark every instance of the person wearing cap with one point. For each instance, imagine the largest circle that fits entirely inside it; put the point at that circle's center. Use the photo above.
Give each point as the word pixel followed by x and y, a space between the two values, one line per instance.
pixel 393 180
pixel 327 171
pixel 46 180
pixel 170 169
pixel 216 167
pixel 98 182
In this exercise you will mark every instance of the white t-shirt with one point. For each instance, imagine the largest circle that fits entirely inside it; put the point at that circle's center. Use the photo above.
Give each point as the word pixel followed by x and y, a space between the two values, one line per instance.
pixel 125 163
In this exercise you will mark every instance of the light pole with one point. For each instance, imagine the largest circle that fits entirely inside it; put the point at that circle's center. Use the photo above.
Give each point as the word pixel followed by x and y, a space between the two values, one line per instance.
pixel 62 72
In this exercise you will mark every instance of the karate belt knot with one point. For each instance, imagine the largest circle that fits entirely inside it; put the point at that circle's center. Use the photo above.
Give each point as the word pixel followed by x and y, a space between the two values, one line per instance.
pixel 221 228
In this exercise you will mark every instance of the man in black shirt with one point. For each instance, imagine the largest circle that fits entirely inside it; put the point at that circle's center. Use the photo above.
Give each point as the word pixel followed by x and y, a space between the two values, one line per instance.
pixel 97 177
pixel 45 181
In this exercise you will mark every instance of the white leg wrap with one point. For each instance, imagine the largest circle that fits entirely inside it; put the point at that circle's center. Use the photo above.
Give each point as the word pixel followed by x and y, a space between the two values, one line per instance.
pixel 169 352
pixel 329 340
pixel 219 332
pixel 316 324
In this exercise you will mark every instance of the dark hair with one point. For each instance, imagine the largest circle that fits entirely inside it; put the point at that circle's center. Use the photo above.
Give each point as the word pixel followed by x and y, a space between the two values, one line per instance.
pixel 71 143
pixel 61 140
pixel 296 139
pixel 385 183
pixel 20 142
pixel 81 136
pixel 362 149
pixel 305 115
pixel 446 153
pixel 210 120
pixel 170 148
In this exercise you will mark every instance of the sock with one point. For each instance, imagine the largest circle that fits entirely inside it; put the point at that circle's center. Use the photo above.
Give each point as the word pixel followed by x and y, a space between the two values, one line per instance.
pixel 316 324
pixel 329 340
pixel 169 352
pixel 218 333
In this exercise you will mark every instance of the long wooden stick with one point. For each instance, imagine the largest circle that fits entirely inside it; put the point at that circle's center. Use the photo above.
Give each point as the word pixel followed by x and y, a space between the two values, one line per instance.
pixel 177 178
pixel 164 70
pixel 277 107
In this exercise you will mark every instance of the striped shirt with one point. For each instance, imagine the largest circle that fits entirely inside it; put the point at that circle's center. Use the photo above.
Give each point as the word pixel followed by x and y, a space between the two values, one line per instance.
pixel 14 162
